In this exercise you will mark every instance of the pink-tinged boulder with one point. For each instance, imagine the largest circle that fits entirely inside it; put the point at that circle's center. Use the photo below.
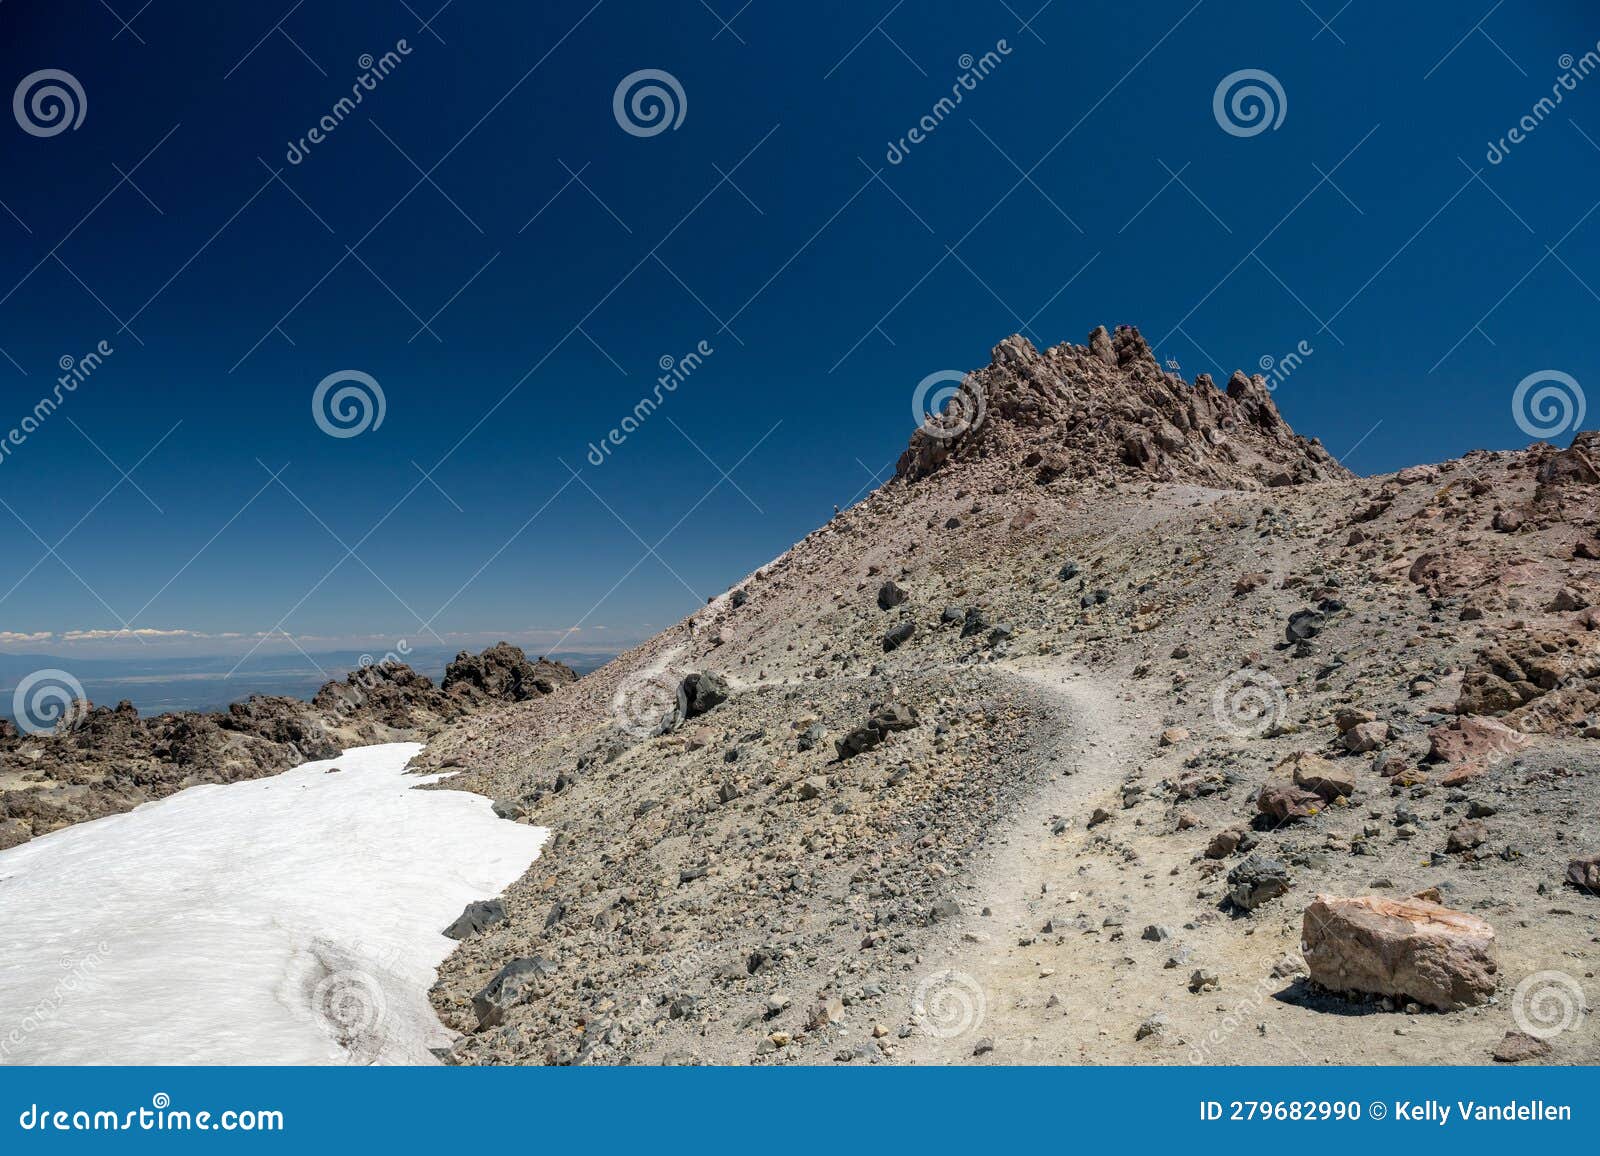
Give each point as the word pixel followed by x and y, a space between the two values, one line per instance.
pixel 1317 775
pixel 1364 737
pixel 1585 874
pixel 1285 801
pixel 1405 948
pixel 1470 746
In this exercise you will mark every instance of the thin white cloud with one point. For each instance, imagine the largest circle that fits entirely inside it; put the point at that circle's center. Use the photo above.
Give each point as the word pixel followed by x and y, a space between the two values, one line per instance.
pixel 12 636
pixel 139 631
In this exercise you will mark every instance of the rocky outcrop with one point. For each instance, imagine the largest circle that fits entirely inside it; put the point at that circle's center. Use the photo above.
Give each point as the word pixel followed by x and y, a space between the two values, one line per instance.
pixel 1109 409
pixel 1408 949
pixel 502 673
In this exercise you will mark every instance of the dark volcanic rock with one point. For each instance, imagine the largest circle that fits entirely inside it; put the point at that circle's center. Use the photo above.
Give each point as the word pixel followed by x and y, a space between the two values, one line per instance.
pixel 701 692
pixel 476 916
pixel 503 673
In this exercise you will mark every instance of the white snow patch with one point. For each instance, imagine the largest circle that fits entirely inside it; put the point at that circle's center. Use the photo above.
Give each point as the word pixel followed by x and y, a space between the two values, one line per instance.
pixel 288 920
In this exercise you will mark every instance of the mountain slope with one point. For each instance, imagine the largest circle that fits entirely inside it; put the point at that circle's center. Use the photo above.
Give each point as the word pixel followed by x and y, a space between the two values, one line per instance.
pixel 986 726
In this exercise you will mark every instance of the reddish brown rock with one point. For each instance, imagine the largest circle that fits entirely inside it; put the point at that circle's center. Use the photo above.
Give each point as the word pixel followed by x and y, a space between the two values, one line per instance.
pixel 1351 717
pixel 1323 778
pixel 1470 746
pixel 1516 1047
pixel 1404 948
pixel 1249 582
pixel 1367 736
pixel 1466 836
pixel 1224 843
pixel 1286 801
pixel 1585 874
pixel 1109 408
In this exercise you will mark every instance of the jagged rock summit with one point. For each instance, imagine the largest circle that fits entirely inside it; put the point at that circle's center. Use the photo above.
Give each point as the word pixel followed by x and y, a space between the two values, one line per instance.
pixel 1108 409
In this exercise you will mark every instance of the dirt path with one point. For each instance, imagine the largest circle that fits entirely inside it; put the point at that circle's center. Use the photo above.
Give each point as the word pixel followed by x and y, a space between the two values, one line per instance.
pixel 1079 992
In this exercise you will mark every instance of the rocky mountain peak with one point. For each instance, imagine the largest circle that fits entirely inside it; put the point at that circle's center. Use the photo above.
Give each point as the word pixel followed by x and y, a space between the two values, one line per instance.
pixel 1109 409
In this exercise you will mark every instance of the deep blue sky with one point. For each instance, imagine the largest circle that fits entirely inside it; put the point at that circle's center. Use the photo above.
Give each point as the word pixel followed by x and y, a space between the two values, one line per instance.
pixel 827 294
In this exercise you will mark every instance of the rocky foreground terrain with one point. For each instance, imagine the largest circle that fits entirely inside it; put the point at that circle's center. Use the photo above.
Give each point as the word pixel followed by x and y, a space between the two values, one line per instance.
pixel 103 760
pixel 1124 725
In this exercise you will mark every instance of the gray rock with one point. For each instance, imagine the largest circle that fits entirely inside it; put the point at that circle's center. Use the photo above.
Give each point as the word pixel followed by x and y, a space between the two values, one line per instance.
pixel 1304 625
pixel 475 917
pixel 898 635
pixel 1256 880
pixel 509 809
pixel 890 595
pixel 507 989
pixel 701 692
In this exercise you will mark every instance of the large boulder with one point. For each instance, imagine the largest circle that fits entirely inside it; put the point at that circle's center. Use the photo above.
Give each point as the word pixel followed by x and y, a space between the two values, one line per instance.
pixel 1403 948
pixel 701 692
